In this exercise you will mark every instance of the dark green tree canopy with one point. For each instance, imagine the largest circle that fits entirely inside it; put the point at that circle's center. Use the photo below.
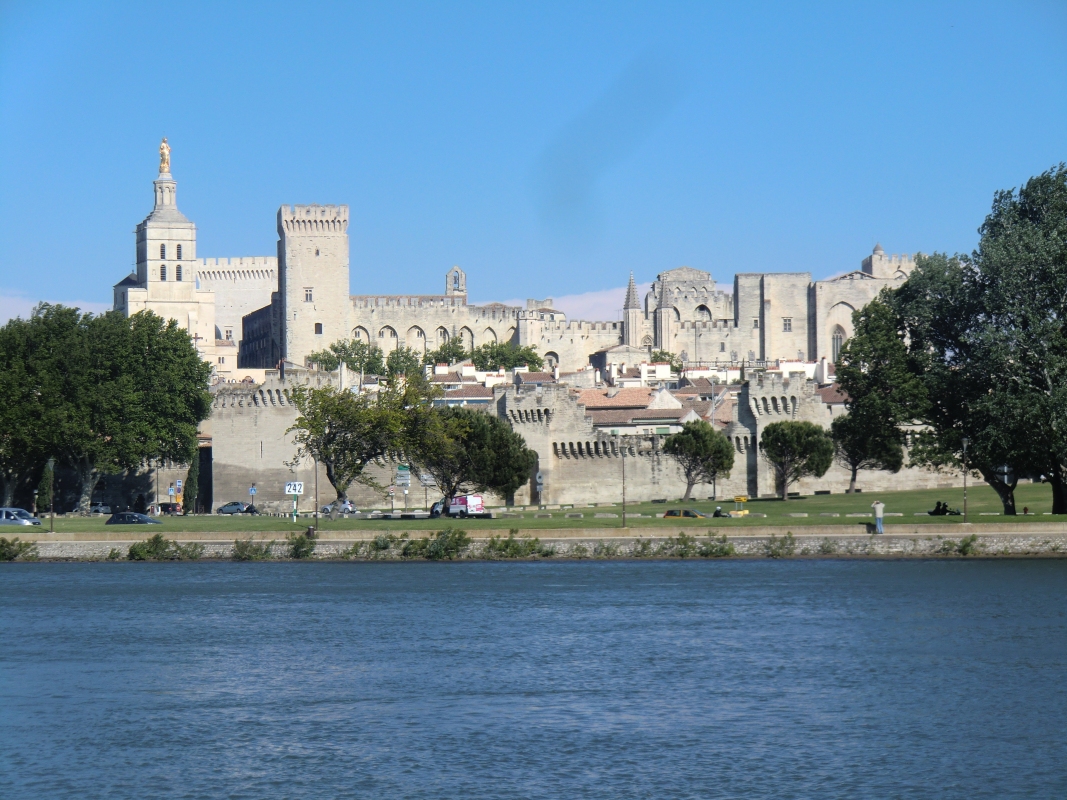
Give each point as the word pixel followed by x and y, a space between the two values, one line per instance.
pixel 702 452
pixel 451 352
pixel 505 355
pixel 355 354
pixel 403 361
pixel 666 357
pixel 796 450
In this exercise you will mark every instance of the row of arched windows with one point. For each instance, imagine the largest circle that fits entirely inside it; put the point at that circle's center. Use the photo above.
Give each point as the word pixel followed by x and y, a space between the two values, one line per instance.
pixel 163 272
pixel 163 252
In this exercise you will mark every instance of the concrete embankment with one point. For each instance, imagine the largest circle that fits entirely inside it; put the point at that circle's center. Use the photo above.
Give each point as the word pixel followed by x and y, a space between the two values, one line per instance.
pixel 1001 539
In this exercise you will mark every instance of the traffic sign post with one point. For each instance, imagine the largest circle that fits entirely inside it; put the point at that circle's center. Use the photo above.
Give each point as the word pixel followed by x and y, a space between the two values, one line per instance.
pixel 540 480
pixel 294 488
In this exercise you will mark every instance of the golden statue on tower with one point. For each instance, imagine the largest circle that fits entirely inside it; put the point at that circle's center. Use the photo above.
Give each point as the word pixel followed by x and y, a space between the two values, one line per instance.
pixel 164 156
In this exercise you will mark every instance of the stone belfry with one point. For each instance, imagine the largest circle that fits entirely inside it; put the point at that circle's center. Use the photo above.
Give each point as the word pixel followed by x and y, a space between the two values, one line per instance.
pixel 631 310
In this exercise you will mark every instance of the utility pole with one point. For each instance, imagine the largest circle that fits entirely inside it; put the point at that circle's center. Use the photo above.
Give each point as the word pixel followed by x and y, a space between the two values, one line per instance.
pixel 622 453
pixel 52 494
pixel 316 462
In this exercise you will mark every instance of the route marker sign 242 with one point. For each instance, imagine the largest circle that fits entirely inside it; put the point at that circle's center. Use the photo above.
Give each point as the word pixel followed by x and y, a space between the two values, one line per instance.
pixel 294 487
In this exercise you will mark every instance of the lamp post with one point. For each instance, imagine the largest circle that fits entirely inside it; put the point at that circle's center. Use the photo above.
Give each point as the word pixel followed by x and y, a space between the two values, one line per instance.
pixel 965 442
pixel 52 494
pixel 622 455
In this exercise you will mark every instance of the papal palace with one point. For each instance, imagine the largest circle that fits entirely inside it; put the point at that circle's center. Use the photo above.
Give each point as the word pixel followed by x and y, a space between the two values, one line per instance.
pixel 256 318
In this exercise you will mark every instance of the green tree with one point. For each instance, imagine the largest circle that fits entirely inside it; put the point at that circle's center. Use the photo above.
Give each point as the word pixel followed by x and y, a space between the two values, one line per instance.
pixel 403 361
pixel 796 450
pixel 702 452
pixel 346 432
pixel 666 357
pixel 881 393
pixel 192 485
pixel 451 352
pixel 45 487
pixel 473 451
pixel 505 355
pixel 355 354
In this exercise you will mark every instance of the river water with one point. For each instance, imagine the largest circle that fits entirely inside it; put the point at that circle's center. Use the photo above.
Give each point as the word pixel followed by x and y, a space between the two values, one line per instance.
pixel 747 679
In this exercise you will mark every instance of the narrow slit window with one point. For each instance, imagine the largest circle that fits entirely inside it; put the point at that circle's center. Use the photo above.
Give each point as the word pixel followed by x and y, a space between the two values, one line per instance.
pixel 162 251
pixel 178 272
pixel 179 252
pixel 318 328
pixel 162 272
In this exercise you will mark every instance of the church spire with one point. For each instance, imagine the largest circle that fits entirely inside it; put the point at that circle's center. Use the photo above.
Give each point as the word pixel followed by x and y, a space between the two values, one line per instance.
pixel 631 295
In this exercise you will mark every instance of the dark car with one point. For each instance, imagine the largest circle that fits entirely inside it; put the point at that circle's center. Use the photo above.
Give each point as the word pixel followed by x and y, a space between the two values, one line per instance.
pixel 685 512
pixel 131 518
pixel 236 507
pixel 174 509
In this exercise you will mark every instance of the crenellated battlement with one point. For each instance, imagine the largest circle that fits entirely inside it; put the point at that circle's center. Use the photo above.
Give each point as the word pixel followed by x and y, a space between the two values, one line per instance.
pixel 312 220
pixel 249 268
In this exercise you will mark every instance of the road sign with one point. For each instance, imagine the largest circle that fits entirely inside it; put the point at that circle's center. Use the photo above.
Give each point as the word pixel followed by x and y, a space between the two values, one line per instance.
pixel 427 480
pixel 252 490
pixel 179 485
pixel 540 478
pixel 392 490
pixel 170 491
pixel 294 487
pixel 403 475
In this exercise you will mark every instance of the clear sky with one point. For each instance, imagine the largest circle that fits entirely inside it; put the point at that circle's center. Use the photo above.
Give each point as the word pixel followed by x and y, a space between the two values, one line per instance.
pixel 548 149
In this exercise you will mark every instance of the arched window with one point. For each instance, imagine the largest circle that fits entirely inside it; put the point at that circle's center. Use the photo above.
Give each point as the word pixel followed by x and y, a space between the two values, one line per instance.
pixel 318 328
pixel 837 341
pixel 179 252
pixel 162 251
pixel 178 272
pixel 162 272
pixel 703 313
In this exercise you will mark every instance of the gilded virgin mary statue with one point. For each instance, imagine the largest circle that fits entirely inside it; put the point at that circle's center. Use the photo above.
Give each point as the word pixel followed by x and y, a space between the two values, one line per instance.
pixel 164 156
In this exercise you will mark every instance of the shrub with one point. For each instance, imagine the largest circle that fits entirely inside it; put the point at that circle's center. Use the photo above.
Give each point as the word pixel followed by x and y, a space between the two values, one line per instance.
pixel 827 547
pixel 382 542
pixel 114 554
pixel 605 550
pixel 780 548
pixel 10 550
pixel 251 550
pixel 159 548
pixel 642 548
pixel 684 546
pixel 513 547
pixel 580 551
pixel 355 551
pixel 968 546
pixel 300 545
pixel 716 548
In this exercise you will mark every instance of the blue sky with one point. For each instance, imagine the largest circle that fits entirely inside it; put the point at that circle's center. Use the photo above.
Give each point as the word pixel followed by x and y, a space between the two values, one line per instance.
pixel 548 149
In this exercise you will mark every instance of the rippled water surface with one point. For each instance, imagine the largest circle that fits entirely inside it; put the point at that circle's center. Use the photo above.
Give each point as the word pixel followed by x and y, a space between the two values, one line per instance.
pixel 748 679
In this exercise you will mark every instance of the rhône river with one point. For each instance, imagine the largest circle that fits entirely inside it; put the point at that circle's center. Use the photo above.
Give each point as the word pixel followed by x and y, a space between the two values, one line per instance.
pixel 746 679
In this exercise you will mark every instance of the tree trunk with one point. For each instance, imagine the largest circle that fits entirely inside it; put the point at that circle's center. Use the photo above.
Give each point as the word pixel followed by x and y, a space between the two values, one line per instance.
pixel 88 475
pixel 1005 491
pixel 9 488
pixel 1059 492
pixel 331 476
pixel 688 489
pixel 852 481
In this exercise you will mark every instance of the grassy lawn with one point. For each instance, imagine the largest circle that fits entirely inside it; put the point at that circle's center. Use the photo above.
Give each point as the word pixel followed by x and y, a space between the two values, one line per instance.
pixel 980 498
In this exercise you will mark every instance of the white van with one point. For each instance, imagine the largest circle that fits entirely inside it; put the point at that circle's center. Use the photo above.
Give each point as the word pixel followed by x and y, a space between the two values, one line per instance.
pixel 466 505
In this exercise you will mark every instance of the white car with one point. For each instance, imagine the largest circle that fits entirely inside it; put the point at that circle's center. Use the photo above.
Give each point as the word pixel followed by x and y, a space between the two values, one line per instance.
pixel 99 508
pixel 17 516
pixel 345 507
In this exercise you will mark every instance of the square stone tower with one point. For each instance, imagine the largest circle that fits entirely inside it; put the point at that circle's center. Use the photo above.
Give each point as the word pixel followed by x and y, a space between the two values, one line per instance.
pixel 313 291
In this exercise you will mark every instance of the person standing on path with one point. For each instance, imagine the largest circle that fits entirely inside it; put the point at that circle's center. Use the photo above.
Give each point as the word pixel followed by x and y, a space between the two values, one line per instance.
pixel 879 512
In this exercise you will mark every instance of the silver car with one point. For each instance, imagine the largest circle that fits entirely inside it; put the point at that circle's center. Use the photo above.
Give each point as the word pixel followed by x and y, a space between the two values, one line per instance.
pixel 17 516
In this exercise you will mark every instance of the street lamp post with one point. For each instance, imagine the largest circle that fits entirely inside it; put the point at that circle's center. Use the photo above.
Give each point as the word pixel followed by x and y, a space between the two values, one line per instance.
pixel 622 455
pixel 52 494
pixel 966 442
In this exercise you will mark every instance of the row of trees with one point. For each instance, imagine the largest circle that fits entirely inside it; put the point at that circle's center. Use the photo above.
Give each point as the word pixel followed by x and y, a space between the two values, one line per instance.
pixel 99 394
pixel 972 350
pixel 369 359
pixel 462 449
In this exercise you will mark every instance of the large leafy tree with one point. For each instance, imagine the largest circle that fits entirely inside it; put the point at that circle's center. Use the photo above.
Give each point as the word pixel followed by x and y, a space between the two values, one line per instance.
pixel 702 452
pixel 986 335
pixel 451 352
pixel 505 355
pixel 473 451
pixel 403 361
pixel 796 450
pixel 881 393
pixel 666 357
pixel 356 354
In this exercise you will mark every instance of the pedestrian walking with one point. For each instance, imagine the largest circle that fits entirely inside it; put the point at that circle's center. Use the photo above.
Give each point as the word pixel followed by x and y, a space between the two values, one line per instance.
pixel 879 512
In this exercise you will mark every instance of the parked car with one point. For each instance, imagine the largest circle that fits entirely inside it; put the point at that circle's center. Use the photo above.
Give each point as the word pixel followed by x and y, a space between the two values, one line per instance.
pixel 17 516
pixel 174 509
pixel 131 518
pixel 234 507
pixel 99 508
pixel 345 507
pixel 685 512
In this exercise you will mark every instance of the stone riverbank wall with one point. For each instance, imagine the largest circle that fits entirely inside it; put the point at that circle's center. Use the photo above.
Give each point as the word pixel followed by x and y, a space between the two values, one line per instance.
pixel 1048 540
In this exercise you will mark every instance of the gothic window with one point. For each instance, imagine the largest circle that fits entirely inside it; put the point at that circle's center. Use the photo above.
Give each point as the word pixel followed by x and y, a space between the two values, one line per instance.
pixel 318 329
pixel 179 252
pixel 307 295
pixel 162 271
pixel 837 340
pixel 162 251
pixel 178 272
pixel 222 359
pixel 787 324
pixel 704 313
